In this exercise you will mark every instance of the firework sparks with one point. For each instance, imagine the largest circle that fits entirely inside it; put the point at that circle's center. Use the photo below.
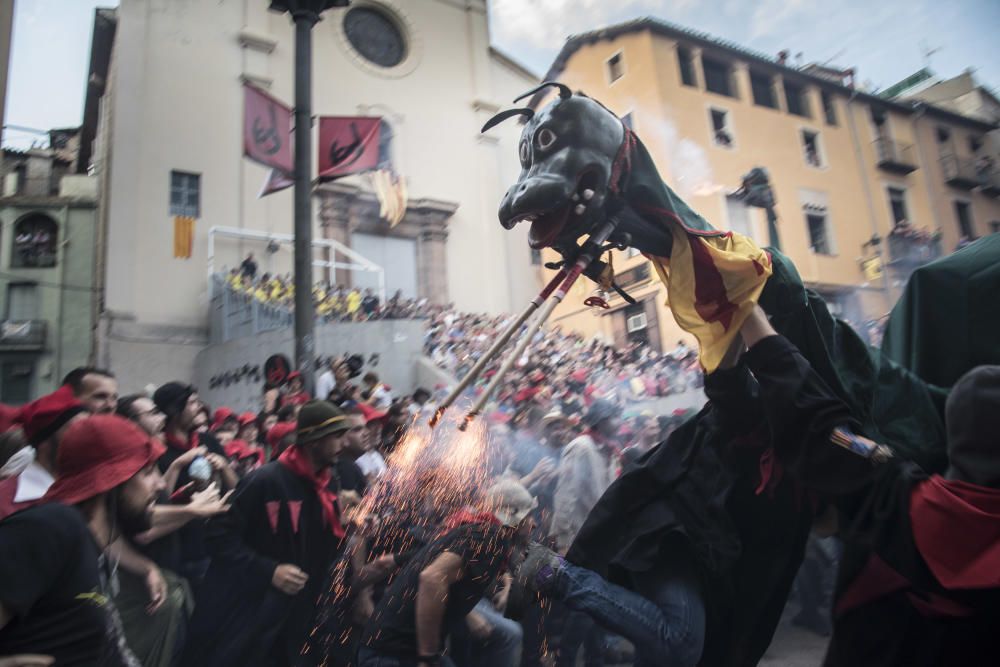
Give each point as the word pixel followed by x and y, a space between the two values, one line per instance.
pixel 431 474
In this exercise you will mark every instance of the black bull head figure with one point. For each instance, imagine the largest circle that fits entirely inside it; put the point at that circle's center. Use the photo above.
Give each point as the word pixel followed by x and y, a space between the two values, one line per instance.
pixel 580 166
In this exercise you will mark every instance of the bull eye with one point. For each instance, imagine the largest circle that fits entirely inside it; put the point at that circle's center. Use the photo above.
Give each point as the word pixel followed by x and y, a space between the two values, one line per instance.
pixel 545 138
pixel 524 153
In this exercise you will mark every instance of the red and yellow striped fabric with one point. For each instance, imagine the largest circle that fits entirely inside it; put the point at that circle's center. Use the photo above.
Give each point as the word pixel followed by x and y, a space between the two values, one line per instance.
pixel 183 236
pixel 713 281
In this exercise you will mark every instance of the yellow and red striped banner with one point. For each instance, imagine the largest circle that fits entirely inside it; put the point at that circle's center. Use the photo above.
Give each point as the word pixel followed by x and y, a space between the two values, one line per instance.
pixel 713 282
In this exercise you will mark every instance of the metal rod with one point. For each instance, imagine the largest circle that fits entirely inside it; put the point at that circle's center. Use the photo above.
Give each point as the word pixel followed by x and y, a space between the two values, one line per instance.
pixel 304 315
pixel 494 350
pixel 591 249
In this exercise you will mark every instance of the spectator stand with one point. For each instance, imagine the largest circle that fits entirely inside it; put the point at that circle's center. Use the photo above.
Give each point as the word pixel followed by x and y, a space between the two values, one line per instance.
pixel 235 314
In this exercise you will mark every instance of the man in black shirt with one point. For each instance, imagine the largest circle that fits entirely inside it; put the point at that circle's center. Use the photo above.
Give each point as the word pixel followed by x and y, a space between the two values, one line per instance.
pixel 183 551
pixel 445 580
pixel 54 590
pixel 248 268
pixel 271 552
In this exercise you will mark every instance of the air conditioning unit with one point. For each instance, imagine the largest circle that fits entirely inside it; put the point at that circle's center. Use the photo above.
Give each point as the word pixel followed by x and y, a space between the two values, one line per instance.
pixel 636 323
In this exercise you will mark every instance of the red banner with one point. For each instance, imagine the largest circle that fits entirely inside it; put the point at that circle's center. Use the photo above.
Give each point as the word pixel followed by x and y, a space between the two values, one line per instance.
pixel 348 145
pixel 267 130
pixel 275 182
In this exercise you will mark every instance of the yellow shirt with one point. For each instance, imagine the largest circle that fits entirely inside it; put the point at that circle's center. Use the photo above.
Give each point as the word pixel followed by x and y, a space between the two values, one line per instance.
pixel 353 302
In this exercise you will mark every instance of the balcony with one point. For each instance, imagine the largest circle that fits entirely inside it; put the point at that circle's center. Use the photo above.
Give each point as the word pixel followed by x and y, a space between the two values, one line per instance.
pixel 894 156
pixel 990 182
pixel 23 335
pixel 960 172
pixel 910 248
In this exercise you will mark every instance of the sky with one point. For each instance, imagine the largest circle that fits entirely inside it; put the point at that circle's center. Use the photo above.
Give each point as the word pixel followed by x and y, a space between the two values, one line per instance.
pixel 886 40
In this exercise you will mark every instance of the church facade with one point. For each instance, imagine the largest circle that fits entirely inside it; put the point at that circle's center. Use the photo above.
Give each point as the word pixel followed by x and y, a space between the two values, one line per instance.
pixel 164 113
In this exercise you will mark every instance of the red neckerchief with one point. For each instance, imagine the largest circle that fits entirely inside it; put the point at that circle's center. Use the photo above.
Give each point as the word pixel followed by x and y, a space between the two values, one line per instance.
pixel 293 459
pixel 956 527
pixel 298 398
pixel 464 516
pixel 192 441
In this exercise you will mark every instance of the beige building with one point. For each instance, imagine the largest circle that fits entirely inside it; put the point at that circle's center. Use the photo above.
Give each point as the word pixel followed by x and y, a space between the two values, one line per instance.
pixel 164 109
pixel 845 166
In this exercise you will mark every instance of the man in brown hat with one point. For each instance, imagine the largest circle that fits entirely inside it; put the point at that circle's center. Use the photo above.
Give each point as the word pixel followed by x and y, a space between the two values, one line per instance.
pixel 55 597
pixel 271 551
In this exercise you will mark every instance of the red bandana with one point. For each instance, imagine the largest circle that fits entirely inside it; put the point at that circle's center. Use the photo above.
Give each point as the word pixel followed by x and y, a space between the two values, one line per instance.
pixel 464 516
pixel 293 459
pixel 956 526
pixel 192 441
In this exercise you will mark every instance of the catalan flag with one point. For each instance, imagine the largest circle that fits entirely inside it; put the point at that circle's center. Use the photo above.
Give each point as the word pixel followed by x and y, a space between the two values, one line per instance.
pixel 713 278
pixel 183 236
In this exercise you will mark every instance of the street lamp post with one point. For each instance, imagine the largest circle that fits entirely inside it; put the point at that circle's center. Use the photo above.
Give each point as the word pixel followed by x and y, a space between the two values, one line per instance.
pixel 305 14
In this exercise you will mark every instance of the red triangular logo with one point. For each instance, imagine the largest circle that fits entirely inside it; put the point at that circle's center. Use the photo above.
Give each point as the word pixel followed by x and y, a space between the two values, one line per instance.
pixel 295 508
pixel 272 514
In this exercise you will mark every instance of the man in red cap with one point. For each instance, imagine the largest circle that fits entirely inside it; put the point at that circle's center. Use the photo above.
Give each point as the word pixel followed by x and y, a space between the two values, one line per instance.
pixel 271 552
pixel 55 583
pixel 44 422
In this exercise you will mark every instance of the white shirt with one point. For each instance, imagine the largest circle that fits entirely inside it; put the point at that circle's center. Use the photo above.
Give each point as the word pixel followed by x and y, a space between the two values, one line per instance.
pixel 381 398
pixel 32 483
pixel 325 384
pixel 16 464
pixel 371 464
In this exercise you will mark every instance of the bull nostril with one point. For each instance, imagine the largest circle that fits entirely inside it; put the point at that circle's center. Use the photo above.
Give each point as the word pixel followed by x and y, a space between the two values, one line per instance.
pixel 522 187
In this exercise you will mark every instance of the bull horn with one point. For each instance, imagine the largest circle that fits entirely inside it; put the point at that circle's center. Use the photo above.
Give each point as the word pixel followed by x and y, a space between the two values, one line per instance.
pixel 504 115
pixel 564 91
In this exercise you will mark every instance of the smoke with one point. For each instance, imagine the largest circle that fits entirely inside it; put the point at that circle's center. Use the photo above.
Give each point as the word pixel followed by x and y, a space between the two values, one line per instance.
pixel 683 163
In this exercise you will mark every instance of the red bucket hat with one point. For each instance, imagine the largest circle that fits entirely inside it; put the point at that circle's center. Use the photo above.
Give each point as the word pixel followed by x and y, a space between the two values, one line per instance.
pixel 247 418
pixel 278 432
pixel 370 413
pixel 46 415
pixel 99 453
pixel 221 416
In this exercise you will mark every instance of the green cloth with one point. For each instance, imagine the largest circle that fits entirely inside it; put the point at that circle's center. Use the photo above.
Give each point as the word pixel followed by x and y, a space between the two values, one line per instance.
pixel 948 318
pixel 893 405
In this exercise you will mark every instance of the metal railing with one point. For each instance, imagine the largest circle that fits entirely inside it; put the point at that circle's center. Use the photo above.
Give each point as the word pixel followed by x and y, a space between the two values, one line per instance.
pixel 237 314
pixel 894 154
pixel 23 334
pixel 961 172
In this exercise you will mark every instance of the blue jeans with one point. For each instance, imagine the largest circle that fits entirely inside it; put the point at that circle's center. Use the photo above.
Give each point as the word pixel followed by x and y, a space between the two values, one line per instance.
pixel 580 632
pixel 501 649
pixel 369 658
pixel 666 623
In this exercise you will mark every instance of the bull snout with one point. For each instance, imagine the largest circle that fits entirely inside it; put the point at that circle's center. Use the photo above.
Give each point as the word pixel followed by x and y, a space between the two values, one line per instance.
pixel 535 194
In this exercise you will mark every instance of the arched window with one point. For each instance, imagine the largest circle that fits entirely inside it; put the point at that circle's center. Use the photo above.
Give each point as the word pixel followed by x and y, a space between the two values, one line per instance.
pixel 36 238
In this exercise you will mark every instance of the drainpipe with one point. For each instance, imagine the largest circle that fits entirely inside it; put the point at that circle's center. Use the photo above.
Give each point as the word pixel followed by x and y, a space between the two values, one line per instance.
pixel 63 246
pixel 932 193
pixel 868 199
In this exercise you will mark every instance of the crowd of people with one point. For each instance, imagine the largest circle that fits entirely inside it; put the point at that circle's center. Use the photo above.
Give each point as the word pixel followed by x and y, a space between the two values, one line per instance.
pixel 562 369
pixel 331 302
pixel 154 530
pixel 211 549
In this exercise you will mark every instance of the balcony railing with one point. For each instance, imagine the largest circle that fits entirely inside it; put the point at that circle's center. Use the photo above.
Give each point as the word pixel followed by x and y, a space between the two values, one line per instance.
pixel 23 335
pixel 895 156
pixel 962 172
pixel 236 314
pixel 910 248
pixel 989 180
